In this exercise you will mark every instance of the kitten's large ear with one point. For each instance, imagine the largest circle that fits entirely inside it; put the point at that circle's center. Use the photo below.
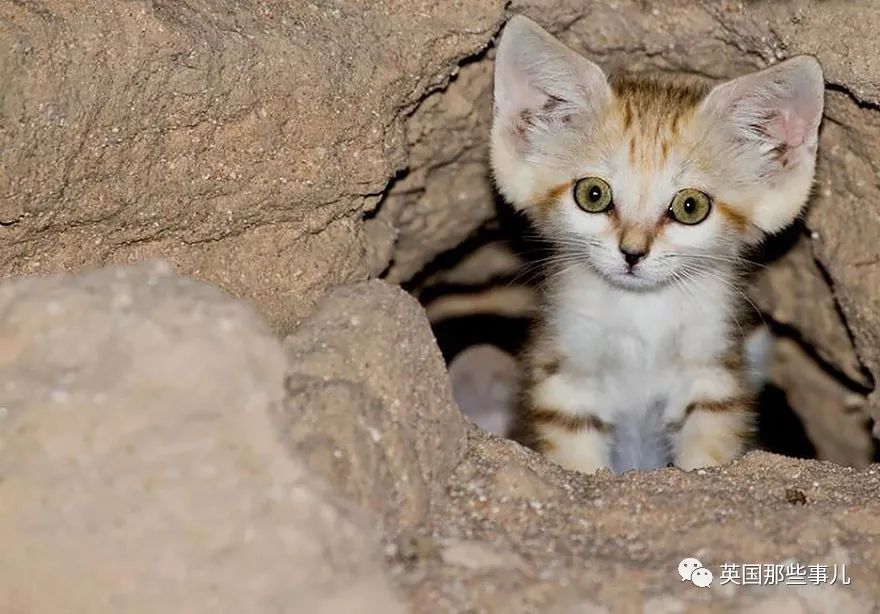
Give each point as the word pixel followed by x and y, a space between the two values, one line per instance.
pixel 546 95
pixel 766 127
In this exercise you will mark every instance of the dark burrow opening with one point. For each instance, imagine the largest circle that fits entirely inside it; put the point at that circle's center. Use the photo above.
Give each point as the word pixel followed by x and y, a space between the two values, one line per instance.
pixel 483 293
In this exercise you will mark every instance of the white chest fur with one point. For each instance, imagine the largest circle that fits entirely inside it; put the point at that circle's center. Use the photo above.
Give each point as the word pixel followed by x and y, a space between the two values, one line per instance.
pixel 626 351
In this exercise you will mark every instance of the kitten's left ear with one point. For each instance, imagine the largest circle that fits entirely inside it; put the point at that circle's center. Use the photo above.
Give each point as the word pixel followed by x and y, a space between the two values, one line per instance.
pixel 766 127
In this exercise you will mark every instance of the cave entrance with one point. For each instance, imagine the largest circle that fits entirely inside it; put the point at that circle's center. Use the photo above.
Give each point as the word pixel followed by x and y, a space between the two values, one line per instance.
pixel 482 298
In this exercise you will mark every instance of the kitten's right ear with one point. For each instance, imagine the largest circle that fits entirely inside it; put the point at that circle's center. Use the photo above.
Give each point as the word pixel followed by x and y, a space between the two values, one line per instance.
pixel 546 97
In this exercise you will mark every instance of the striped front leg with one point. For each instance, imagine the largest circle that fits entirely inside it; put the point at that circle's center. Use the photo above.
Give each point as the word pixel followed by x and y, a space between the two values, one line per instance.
pixel 557 422
pixel 714 432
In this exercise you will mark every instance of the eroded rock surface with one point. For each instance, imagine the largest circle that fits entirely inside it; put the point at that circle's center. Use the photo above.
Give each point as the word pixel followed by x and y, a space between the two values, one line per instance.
pixel 243 142
pixel 161 451
pixel 512 532
pixel 152 430
pixel 281 148
pixel 834 416
pixel 369 403
pixel 140 466
pixel 540 539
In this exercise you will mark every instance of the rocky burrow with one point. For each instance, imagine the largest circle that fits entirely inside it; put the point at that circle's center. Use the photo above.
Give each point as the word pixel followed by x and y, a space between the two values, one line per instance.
pixel 278 149
pixel 161 450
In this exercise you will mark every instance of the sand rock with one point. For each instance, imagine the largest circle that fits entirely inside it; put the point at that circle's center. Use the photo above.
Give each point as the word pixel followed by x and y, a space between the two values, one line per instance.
pixel 141 468
pixel 613 542
pixel 281 149
pixel 160 451
pixel 368 398
pixel 795 293
pixel 833 416
pixel 245 142
pixel 447 194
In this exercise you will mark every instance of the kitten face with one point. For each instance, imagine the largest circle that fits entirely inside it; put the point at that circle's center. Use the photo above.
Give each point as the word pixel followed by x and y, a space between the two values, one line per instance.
pixel 650 182
pixel 646 146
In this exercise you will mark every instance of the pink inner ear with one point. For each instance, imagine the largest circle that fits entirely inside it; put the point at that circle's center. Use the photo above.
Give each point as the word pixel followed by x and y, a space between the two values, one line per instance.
pixel 789 128
pixel 516 92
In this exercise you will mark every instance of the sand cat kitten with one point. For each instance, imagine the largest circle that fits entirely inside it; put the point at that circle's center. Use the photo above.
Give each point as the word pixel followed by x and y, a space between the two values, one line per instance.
pixel 649 189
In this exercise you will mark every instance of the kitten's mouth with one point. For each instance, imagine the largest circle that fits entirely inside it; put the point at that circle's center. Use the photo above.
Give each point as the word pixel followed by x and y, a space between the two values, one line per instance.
pixel 632 279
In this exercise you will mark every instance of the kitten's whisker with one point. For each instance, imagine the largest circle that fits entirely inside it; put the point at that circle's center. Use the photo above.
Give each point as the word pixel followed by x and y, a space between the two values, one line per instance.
pixel 563 270
pixel 532 272
pixel 690 275
pixel 526 276
pixel 732 285
pixel 731 259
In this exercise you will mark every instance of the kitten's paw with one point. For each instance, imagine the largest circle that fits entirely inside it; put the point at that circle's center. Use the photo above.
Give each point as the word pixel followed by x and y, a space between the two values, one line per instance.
pixel 585 450
pixel 698 458
pixel 713 435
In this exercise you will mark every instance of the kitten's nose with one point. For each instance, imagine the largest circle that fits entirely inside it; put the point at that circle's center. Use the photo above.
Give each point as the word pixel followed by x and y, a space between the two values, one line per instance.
pixel 632 255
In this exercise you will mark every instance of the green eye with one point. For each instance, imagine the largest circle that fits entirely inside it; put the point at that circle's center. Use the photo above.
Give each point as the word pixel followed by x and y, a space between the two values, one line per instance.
pixel 592 194
pixel 690 207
